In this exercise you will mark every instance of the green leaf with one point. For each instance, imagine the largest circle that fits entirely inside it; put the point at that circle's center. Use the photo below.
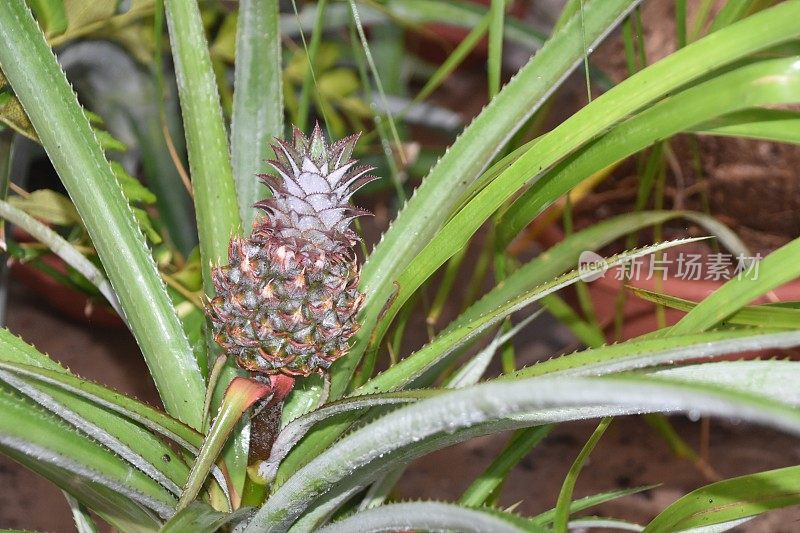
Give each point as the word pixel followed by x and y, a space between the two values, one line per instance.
pixel 769 316
pixel 108 142
pixel 777 125
pixel 240 395
pixel 561 517
pixel 257 100
pixel 779 79
pixel 430 516
pixel 146 225
pixel 132 188
pixel 81 13
pixel 13 116
pixel 295 430
pixel 431 204
pixel 455 58
pixel 652 351
pixel 731 12
pixel 90 472
pixel 417 364
pixel 202 518
pixel 779 267
pixel 80 514
pixel 518 447
pixel 442 348
pixel 771 81
pixel 414 430
pixel 206 140
pixel 51 14
pixel 589 501
pixel 414 13
pixel 138 412
pixel 136 446
pixel 77 157
pixel 47 205
pixel 495 60
pixel 566 254
pixel 729 500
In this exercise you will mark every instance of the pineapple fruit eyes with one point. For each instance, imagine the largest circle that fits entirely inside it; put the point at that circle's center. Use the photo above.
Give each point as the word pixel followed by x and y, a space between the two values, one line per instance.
pixel 296 267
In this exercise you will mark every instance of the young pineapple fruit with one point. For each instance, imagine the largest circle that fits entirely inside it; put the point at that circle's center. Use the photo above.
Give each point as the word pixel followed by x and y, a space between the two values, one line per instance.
pixel 286 302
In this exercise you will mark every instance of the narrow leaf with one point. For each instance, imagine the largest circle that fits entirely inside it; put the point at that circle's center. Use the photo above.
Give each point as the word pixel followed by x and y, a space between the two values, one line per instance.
pixel 72 147
pixel 257 100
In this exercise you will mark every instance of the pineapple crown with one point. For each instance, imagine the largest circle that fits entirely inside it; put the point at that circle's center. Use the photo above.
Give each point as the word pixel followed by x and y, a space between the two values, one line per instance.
pixel 312 189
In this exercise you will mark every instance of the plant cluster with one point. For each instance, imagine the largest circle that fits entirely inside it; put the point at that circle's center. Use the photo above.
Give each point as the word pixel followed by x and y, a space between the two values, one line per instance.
pixel 265 338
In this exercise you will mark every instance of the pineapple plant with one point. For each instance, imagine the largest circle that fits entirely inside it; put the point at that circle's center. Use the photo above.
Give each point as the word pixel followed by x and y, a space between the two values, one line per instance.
pixel 287 300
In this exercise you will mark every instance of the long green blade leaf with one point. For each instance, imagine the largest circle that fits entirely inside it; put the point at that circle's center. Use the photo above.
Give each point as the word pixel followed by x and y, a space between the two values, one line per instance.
pixel 729 500
pixel 206 140
pixel 362 455
pixel 257 100
pixel 555 145
pixel 777 268
pixel 427 516
pixel 64 131
pixel 466 159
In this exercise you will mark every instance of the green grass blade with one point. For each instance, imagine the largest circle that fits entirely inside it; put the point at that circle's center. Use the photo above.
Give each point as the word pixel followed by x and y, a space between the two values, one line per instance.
pixel 779 125
pixel 312 50
pixel 767 316
pixel 464 162
pixel 731 12
pixel 462 14
pixel 779 267
pixel 546 517
pixel 520 445
pixel 32 70
pixel 495 61
pixel 561 517
pixel 586 332
pixel 641 353
pixel 257 100
pixel 206 140
pixel 454 58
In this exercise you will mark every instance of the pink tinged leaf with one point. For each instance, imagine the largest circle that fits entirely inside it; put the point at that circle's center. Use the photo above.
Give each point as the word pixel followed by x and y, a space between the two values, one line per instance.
pixel 330 217
pixel 336 176
pixel 283 148
pixel 309 166
pixel 313 183
pixel 321 202
pixel 300 205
